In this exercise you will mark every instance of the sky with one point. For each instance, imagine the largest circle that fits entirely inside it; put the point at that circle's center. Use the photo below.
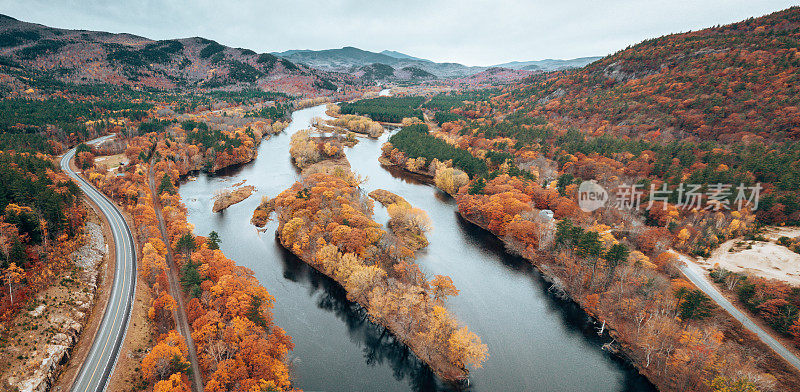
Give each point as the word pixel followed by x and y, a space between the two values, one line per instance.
pixel 471 32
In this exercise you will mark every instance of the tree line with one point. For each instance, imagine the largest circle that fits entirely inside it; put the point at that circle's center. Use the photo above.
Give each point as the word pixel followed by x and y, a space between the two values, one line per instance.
pixel 416 142
pixel 386 109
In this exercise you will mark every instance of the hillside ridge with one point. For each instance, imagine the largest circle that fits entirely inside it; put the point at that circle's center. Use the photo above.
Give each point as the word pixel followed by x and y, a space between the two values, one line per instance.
pixel 96 57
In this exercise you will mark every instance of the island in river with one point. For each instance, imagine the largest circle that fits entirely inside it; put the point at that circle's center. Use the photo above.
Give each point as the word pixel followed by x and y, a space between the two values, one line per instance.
pixel 336 345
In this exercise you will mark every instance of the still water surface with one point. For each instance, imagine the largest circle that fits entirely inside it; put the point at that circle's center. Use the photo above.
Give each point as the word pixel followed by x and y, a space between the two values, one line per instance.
pixel 536 341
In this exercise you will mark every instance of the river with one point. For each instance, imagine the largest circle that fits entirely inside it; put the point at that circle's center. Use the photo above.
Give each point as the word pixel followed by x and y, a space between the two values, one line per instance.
pixel 536 341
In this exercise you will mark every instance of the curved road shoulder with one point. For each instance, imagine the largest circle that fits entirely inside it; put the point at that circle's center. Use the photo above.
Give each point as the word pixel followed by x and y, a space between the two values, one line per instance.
pixel 102 357
pixel 697 275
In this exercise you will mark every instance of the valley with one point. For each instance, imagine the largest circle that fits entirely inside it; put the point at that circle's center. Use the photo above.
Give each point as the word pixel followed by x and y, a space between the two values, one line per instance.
pixel 184 215
pixel 333 337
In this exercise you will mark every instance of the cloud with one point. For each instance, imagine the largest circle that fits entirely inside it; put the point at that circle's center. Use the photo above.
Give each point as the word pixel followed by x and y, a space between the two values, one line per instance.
pixel 473 32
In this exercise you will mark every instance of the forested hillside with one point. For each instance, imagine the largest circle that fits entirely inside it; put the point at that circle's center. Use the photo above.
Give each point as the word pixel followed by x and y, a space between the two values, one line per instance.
pixel 718 105
pixel 737 82
pixel 40 220
pixel 88 57
pixel 714 109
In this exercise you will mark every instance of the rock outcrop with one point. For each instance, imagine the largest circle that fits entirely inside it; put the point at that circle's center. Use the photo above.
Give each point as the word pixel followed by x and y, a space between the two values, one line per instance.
pixel 59 320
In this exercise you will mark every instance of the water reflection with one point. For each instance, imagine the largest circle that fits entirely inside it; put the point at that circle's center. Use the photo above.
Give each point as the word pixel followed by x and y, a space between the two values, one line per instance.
pixel 379 345
pixel 406 177
pixel 537 342
pixel 577 321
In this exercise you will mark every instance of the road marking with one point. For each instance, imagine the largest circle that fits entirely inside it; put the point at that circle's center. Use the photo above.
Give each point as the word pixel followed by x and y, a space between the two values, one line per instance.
pixel 123 241
pixel 116 314
pixel 113 323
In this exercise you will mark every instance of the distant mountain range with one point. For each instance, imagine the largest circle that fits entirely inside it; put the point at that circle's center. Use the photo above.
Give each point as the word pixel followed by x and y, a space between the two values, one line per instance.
pixel 399 55
pixel 90 57
pixel 549 64
pixel 353 60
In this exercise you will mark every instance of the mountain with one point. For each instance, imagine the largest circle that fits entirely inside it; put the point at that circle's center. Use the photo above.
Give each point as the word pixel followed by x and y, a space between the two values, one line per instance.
pixel 726 83
pixel 382 72
pixel 550 64
pixel 344 59
pixel 399 55
pixel 366 65
pixel 715 106
pixel 351 60
pixel 363 63
pixel 91 57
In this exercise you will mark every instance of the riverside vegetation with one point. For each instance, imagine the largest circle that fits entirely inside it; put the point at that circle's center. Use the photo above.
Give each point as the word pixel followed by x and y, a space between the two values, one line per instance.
pixel 521 152
pixel 227 308
pixel 714 106
pixel 326 221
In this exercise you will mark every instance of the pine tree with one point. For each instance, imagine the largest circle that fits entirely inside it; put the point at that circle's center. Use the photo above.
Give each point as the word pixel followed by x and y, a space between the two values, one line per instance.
pixel 166 185
pixel 213 240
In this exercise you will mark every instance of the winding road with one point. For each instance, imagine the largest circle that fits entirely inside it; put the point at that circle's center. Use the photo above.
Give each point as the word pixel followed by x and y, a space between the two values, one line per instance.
pixel 102 357
pixel 697 275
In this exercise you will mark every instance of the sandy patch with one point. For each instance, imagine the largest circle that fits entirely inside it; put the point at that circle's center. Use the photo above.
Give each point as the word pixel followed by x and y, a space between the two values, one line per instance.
pixel 111 161
pixel 765 259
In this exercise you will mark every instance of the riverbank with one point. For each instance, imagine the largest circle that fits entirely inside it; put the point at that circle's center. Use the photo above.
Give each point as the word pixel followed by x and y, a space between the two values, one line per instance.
pixel 421 175
pixel 533 335
pixel 409 224
pixel 440 366
pixel 654 345
pixel 327 222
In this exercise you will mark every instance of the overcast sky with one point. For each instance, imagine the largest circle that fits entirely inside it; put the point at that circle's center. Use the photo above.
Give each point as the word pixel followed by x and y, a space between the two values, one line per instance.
pixel 466 31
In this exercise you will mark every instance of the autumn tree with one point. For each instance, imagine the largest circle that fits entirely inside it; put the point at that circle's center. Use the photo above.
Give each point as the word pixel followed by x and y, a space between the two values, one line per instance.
pixel 175 383
pixel 443 287
pixel 12 275
pixel 466 349
pixel 450 180
pixel 166 358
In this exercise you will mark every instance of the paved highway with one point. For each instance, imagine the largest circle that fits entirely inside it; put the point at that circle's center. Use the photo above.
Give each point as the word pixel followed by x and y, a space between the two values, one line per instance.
pixel 697 275
pixel 99 364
